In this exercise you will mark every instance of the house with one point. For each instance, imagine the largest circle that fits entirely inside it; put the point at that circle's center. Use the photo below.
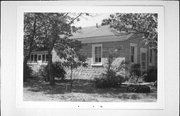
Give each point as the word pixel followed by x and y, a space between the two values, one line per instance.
pixel 98 41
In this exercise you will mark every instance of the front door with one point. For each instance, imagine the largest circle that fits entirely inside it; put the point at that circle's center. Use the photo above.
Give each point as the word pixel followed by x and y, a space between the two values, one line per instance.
pixel 143 59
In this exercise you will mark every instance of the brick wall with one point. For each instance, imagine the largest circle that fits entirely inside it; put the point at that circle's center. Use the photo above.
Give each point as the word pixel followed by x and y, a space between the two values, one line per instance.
pixel 123 53
pixel 91 72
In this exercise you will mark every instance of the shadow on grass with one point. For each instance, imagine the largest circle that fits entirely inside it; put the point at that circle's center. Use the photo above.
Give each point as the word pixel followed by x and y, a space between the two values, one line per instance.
pixel 64 86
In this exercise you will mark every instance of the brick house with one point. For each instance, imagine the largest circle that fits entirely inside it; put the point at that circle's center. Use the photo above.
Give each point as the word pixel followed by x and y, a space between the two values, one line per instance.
pixel 97 42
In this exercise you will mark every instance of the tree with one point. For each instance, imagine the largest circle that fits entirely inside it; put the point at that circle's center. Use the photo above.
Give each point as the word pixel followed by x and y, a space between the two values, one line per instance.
pixel 31 34
pixel 51 31
pixel 144 23
pixel 74 58
pixel 58 28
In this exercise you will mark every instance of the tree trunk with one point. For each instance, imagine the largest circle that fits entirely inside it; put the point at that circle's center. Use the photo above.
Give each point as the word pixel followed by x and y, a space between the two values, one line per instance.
pixel 50 75
pixel 24 67
pixel 71 78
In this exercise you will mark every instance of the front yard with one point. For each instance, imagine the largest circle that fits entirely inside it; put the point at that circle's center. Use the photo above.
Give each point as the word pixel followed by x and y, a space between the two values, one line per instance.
pixel 82 91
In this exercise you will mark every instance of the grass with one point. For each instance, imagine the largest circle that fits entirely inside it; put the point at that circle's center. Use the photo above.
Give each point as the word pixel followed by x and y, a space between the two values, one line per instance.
pixel 82 91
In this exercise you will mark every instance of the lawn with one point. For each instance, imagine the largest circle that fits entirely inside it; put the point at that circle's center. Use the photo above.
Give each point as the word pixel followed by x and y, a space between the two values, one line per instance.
pixel 82 91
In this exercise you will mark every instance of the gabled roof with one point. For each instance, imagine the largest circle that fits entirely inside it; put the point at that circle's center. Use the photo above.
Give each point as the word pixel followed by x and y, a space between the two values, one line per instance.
pixel 99 34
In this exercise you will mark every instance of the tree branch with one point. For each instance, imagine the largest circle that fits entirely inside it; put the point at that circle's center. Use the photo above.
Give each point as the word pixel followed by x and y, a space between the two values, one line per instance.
pixel 65 14
pixel 75 18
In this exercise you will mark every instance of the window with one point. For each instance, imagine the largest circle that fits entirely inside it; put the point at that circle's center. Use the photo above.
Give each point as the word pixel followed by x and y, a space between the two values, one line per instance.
pixel 31 59
pixel 46 57
pixel 97 54
pixel 35 58
pixel 43 57
pixel 133 53
pixel 39 57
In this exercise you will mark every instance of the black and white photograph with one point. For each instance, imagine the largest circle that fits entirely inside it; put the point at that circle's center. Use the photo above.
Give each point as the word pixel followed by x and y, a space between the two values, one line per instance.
pixel 90 57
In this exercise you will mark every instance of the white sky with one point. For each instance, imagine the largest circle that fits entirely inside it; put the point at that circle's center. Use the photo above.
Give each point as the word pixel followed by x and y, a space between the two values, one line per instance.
pixel 91 20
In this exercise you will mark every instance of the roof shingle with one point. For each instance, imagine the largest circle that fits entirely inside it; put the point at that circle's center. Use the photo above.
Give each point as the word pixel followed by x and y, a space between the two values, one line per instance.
pixel 94 32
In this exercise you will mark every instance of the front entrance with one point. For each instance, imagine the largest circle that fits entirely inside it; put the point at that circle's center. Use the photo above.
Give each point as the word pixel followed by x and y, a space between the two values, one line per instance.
pixel 143 59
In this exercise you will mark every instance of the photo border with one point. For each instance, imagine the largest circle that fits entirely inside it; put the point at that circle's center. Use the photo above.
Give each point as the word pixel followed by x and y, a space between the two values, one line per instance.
pixel 97 105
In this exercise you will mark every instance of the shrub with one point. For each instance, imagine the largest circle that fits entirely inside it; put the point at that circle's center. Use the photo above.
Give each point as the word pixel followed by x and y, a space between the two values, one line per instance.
pixel 27 71
pixel 135 69
pixel 57 71
pixel 109 80
pixel 135 73
pixel 151 75
pixel 138 89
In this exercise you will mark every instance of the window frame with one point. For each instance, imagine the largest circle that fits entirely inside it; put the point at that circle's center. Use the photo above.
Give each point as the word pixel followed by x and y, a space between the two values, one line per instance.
pixel 93 55
pixel 135 52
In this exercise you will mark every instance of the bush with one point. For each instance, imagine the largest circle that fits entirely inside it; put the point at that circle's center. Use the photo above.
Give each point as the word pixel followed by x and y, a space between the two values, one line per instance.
pixel 57 71
pixel 138 89
pixel 151 75
pixel 27 72
pixel 109 80
pixel 135 70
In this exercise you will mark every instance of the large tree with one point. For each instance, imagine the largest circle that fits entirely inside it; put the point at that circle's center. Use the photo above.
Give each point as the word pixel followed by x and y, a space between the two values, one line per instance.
pixel 32 33
pixel 52 32
pixel 145 23
pixel 58 28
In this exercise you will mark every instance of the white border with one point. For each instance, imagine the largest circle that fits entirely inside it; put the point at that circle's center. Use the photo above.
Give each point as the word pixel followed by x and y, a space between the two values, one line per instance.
pixel 91 9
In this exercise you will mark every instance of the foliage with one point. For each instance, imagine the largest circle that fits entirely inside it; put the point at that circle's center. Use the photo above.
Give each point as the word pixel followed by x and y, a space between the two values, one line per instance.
pixel 109 80
pixel 145 23
pixel 27 73
pixel 151 75
pixel 57 71
pixel 136 75
pixel 138 89
pixel 73 57
pixel 135 69
pixel 48 30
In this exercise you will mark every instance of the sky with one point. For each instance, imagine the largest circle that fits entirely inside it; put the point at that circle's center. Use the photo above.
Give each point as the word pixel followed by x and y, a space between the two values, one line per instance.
pixel 91 20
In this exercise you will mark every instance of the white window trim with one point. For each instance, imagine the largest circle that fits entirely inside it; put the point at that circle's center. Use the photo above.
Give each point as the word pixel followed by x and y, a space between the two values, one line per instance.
pixel 93 55
pixel 38 61
pixel 135 52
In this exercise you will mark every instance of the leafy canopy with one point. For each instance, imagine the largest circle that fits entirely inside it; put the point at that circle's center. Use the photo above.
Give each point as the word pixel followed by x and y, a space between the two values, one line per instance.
pixel 145 23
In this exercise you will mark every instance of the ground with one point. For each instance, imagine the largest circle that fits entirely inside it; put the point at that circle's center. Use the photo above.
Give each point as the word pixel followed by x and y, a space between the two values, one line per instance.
pixel 82 91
